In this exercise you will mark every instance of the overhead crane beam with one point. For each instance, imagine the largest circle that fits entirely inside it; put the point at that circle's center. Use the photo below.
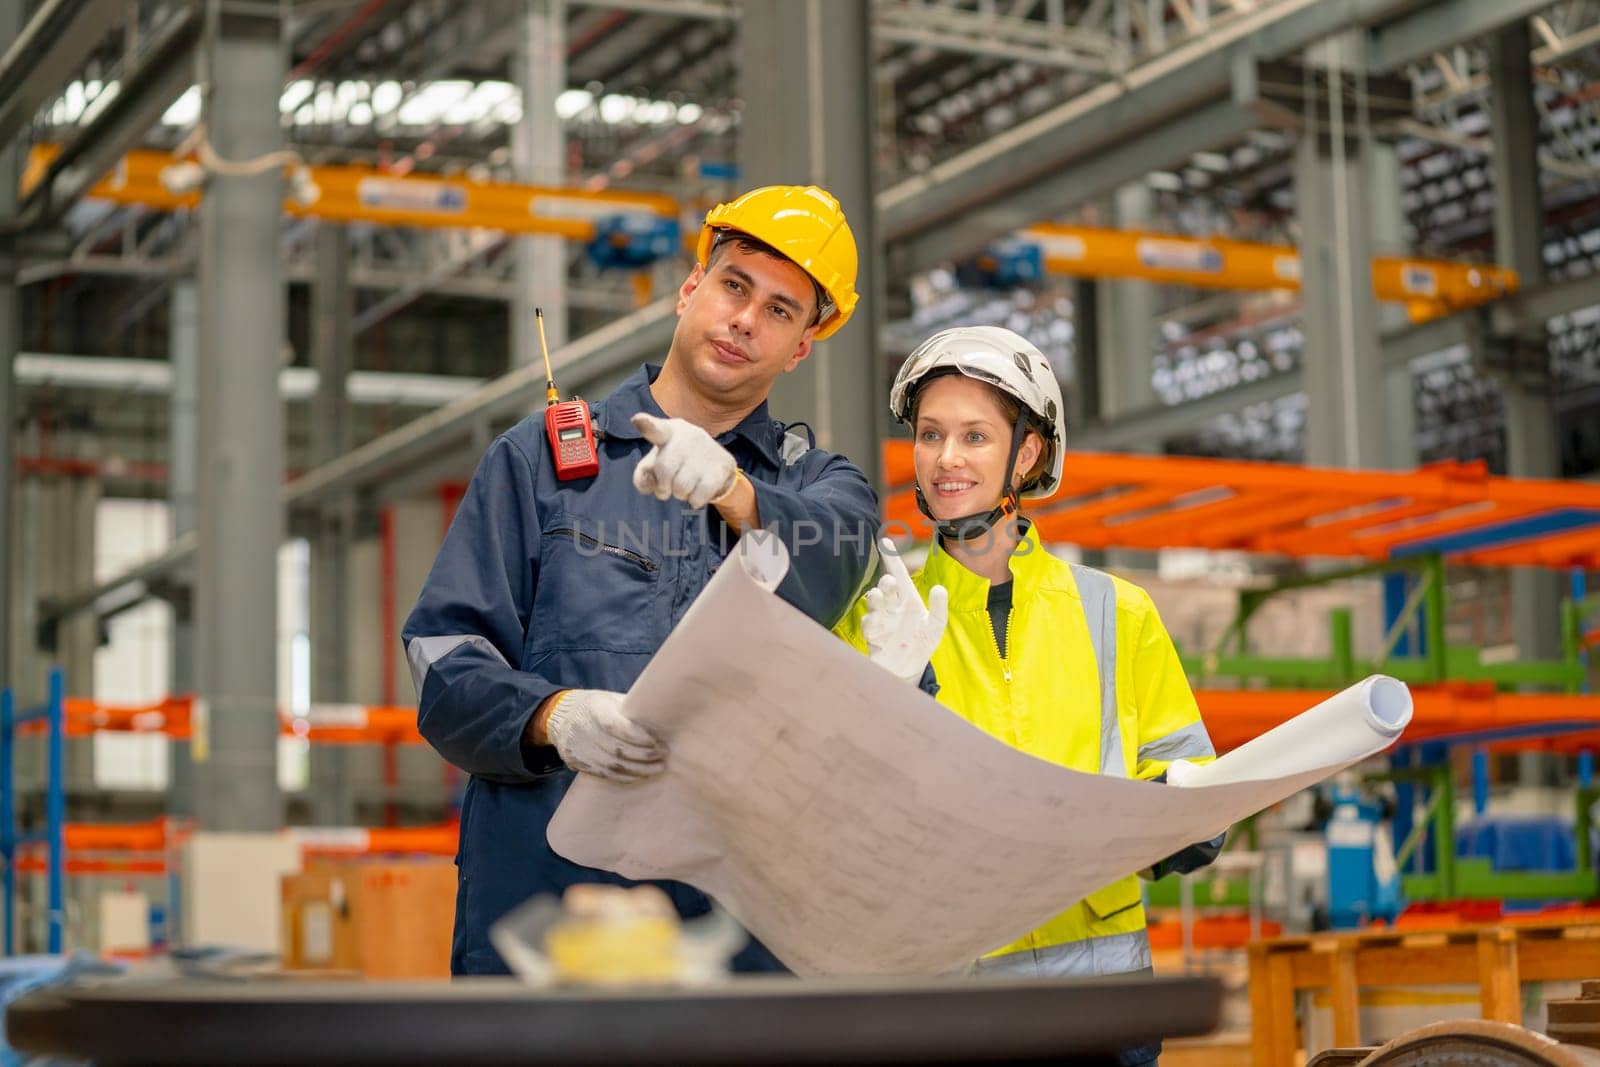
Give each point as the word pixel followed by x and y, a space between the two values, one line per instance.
pixel 363 194
pixel 1428 287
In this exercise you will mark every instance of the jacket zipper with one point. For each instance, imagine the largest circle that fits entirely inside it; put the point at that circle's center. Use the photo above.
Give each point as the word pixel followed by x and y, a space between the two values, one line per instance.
pixel 594 542
pixel 1005 668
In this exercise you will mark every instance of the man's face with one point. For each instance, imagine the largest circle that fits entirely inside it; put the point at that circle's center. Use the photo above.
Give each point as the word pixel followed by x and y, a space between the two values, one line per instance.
pixel 743 321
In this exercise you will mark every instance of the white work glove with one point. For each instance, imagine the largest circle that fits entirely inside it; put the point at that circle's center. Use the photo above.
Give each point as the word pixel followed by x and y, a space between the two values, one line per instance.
pixel 685 462
pixel 901 633
pixel 589 730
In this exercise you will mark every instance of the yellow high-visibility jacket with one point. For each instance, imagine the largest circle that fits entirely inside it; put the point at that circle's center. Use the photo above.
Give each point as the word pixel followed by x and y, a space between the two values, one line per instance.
pixel 1090 681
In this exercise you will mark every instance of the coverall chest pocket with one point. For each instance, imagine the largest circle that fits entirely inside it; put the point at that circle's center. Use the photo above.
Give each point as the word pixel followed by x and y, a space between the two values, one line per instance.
pixel 597 587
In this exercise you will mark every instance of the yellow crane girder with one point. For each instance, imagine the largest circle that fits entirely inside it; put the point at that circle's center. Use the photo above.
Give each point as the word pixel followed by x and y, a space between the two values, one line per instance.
pixel 351 193
pixel 1428 287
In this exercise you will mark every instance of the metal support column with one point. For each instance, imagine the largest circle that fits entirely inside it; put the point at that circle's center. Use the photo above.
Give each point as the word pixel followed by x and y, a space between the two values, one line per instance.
pixel 10 341
pixel 1532 446
pixel 808 118
pixel 1387 227
pixel 1083 406
pixel 1514 128
pixel 1127 319
pixel 1089 369
pixel 1126 325
pixel 332 304
pixel 1343 360
pixel 538 153
pixel 183 343
pixel 241 427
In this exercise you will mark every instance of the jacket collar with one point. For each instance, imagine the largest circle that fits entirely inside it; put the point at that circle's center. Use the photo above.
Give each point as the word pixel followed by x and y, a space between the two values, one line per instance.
pixel 612 415
pixel 969 591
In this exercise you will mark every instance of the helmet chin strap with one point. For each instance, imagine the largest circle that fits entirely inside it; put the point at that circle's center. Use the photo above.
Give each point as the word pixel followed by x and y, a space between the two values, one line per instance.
pixel 978 524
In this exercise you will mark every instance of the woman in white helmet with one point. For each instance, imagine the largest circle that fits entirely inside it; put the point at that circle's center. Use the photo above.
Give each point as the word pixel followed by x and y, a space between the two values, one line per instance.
pixel 1062 661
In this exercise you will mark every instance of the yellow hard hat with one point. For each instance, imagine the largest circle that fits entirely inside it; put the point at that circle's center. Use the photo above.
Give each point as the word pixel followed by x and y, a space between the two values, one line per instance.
pixel 806 225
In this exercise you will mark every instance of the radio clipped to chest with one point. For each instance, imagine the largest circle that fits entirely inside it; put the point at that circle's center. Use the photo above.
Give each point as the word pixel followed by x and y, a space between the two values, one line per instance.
pixel 571 432
pixel 567 423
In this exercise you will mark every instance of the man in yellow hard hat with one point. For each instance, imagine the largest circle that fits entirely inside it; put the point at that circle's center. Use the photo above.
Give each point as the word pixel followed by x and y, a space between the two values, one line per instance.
pixel 550 594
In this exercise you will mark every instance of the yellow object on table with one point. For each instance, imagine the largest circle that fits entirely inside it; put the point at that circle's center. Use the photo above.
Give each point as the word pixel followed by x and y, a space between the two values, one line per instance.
pixel 613 934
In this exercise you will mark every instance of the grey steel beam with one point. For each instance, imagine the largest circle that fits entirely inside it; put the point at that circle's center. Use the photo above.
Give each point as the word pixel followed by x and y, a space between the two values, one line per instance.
pixel 10 341
pixel 332 305
pixel 1538 304
pixel 623 343
pixel 1007 37
pixel 538 153
pixel 1386 228
pixel 688 9
pixel 49 49
pixel 809 117
pixel 1138 429
pixel 162 75
pixel 240 521
pixel 618 346
pixel 1126 318
pixel 1088 356
pixel 1440 27
pixel 1412 343
pixel 1014 178
pixel 1095 174
pixel 1344 426
pixel 1152 424
pixel 1520 364
pixel 1514 130
pixel 117 594
pixel 482 285
pixel 1475 330
pixel 183 427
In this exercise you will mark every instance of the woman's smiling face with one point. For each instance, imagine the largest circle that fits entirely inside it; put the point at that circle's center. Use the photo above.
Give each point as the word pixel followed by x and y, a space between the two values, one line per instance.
pixel 963 439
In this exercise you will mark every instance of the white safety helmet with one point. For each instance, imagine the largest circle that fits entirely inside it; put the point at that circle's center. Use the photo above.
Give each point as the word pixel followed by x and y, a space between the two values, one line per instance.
pixel 1009 362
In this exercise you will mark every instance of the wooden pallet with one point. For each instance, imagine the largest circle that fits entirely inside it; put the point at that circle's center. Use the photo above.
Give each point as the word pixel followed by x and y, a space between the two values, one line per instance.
pixel 1497 958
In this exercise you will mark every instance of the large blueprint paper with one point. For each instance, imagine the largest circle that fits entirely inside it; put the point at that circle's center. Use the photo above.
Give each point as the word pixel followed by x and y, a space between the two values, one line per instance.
pixel 855 825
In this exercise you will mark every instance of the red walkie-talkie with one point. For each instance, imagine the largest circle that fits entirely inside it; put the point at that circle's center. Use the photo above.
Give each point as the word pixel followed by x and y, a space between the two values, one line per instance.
pixel 567 424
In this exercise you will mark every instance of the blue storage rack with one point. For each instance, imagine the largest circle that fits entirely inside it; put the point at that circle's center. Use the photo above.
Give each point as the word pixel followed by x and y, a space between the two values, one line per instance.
pixel 53 714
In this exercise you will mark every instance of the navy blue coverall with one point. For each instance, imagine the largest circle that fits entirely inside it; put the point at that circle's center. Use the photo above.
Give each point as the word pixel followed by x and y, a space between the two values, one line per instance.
pixel 544 585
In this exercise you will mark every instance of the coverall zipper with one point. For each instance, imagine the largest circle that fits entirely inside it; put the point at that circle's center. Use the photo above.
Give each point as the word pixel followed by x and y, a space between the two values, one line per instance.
pixel 595 542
